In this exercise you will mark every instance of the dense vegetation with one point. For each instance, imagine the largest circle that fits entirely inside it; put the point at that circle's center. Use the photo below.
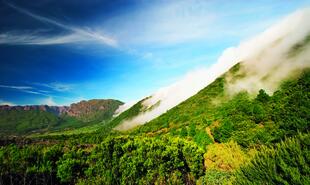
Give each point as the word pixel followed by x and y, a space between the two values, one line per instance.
pixel 211 138
pixel 285 163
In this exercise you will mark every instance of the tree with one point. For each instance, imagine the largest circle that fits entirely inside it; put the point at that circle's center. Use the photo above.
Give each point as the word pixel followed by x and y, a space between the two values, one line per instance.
pixel 262 96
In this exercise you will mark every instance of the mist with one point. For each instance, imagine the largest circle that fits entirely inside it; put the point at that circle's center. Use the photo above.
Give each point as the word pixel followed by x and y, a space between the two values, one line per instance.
pixel 265 60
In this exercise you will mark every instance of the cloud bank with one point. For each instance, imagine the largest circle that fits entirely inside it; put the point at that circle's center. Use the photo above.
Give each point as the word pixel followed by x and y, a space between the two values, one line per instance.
pixel 263 57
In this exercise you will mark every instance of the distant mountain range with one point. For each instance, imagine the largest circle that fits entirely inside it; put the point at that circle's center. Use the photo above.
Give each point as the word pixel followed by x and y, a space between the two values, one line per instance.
pixel 32 118
pixel 57 110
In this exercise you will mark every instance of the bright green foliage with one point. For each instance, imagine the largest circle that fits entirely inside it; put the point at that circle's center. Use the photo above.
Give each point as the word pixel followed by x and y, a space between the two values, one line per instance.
pixel 145 160
pixel 286 163
pixel 216 177
pixel 225 157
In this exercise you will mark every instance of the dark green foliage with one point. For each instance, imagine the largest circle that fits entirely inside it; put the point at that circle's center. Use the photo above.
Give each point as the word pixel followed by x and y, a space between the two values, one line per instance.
pixel 262 96
pixel 286 163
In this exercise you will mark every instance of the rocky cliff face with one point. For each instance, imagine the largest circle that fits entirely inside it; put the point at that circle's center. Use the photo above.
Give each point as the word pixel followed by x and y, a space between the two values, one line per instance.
pixel 93 109
pixel 57 110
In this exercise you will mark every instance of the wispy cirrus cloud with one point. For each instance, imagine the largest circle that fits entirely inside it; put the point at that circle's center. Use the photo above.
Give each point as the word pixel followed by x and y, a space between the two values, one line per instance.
pixel 16 87
pixel 25 89
pixel 33 38
pixel 57 86
pixel 76 34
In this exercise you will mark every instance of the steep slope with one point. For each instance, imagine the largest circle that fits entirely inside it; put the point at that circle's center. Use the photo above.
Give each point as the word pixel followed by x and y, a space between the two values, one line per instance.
pixel 267 60
pixel 34 118
pixel 243 117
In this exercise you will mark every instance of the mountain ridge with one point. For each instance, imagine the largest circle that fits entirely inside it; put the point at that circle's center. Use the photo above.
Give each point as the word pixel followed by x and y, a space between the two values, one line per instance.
pixel 73 110
pixel 33 118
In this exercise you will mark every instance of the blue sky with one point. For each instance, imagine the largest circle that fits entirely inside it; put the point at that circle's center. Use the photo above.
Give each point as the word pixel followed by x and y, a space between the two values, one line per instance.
pixel 60 52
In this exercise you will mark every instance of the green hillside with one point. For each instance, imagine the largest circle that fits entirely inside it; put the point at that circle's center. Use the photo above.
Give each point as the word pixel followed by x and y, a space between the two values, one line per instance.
pixel 20 121
pixel 211 138
pixel 212 111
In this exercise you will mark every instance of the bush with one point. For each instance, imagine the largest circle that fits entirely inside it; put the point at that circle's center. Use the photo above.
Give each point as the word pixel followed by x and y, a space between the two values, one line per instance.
pixel 225 156
pixel 126 160
pixel 286 163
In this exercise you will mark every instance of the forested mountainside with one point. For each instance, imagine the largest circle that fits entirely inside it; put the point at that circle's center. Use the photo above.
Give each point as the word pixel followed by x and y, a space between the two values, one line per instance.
pixel 248 125
pixel 42 118
pixel 209 139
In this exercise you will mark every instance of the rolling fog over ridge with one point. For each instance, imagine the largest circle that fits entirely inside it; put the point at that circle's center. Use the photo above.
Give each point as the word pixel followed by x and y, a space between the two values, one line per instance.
pixel 217 92
pixel 267 59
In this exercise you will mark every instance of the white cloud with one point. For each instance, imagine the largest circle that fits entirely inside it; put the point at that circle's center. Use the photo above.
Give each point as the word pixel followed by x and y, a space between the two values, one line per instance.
pixel 266 62
pixel 78 34
pixel 48 101
pixel 124 107
pixel 261 55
